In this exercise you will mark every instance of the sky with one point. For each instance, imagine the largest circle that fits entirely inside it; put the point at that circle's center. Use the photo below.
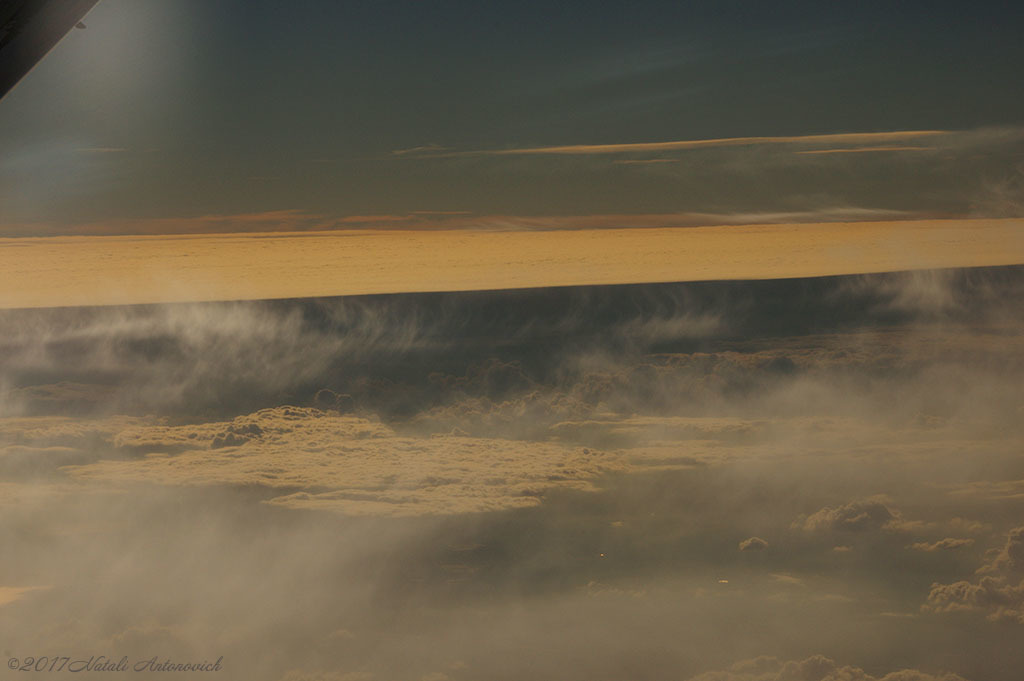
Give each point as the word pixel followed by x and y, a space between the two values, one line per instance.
pixel 395 341
pixel 400 114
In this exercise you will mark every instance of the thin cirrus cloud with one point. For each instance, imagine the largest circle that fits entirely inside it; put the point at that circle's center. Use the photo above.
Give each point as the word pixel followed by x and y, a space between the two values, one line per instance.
pixel 860 150
pixel 422 149
pixel 102 150
pixel 871 138
pixel 294 220
pixel 298 220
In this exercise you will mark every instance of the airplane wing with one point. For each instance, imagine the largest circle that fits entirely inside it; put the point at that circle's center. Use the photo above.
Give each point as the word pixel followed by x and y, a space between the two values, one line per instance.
pixel 29 29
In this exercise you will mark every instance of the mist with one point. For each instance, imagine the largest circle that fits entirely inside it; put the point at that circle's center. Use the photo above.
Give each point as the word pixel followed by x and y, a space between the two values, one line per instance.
pixel 801 478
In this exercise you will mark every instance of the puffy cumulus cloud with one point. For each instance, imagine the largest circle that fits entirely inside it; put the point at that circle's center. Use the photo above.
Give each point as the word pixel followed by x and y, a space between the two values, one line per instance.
pixel 1011 558
pixel 266 424
pixel 1000 600
pixel 171 439
pixel 814 668
pixel 999 593
pixel 753 544
pixel 865 515
pixel 947 544
pixel 353 465
pixel 38 446
pixel 62 431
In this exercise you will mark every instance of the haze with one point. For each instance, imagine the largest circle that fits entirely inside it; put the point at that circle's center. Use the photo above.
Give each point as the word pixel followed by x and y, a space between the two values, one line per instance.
pixel 405 341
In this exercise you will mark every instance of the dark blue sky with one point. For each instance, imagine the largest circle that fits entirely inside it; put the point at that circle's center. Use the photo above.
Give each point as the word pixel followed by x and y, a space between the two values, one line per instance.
pixel 179 108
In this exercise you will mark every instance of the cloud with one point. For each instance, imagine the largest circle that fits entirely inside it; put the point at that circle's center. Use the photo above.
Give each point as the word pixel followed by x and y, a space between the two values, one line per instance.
pixel 285 220
pixel 1000 600
pixel 1002 197
pixel 753 544
pixel 860 150
pixel 352 465
pixel 64 432
pixel 947 544
pixel 320 675
pixel 642 161
pixel 970 526
pixel 300 221
pixel 814 668
pixel 1010 559
pixel 9 594
pixel 63 397
pixel 170 357
pixel 999 593
pixel 867 515
pixel 420 150
pixel 599 453
pixel 994 490
pixel 680 145
pixel 930 173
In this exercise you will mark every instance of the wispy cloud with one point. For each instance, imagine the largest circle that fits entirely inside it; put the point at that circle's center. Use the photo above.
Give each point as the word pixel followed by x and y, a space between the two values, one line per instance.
pixel 638 161
pixel 423 149
pixel 858 150
pixel 285 220
pixel 295 220
pixel 678 145
pixel 9 594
